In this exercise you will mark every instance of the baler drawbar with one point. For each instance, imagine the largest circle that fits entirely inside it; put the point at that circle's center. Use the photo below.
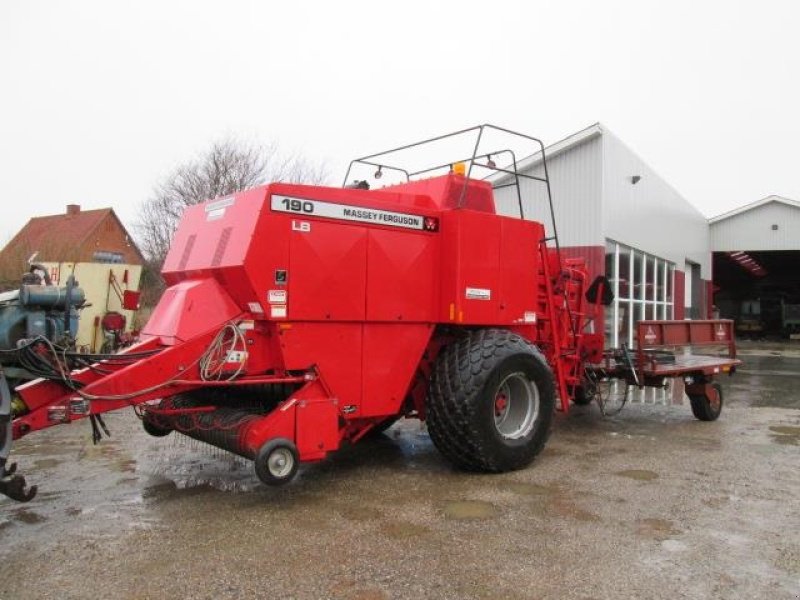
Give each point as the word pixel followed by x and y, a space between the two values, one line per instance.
pixel 300 317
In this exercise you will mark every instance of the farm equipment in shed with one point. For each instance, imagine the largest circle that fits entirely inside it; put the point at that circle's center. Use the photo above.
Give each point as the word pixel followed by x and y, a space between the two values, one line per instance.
pixel 301 317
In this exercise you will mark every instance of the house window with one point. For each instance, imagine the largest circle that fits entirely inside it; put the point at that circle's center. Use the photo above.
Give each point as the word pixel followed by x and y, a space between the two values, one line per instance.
pixel 105 256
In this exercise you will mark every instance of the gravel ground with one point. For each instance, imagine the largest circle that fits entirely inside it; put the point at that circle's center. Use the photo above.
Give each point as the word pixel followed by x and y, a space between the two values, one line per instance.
pixel 648 504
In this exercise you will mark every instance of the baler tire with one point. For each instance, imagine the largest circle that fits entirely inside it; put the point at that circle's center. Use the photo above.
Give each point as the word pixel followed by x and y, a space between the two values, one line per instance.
pixel 265 470
pixel 702 409
pixel 466 385
pixel 154 430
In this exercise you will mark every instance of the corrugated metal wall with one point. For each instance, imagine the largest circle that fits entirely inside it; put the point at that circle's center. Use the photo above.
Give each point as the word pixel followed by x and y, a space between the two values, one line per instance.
pixel 575 180
pixel 650 216
pixel 752 230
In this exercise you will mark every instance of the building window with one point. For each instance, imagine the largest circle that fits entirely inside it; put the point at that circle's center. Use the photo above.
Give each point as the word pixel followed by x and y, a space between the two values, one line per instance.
pixel 104 256
pixel 643 290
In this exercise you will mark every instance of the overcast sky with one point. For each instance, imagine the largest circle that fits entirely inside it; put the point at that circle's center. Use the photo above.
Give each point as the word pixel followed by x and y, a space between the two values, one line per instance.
pixel 100 99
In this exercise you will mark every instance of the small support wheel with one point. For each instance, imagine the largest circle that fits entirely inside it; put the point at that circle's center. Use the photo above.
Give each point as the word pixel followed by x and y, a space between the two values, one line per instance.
pixel 277 462
pixel 708 406
pixel 153 429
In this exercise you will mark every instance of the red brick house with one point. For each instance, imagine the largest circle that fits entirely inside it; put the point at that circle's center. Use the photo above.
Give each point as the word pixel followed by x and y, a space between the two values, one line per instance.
pixel 73 236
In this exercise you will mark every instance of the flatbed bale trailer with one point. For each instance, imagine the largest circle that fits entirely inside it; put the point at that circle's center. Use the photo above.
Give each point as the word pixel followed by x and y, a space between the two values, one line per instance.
pixel 299 318
pixel 665 350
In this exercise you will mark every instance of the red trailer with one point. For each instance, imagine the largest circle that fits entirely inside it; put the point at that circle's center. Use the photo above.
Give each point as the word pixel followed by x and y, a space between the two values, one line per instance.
pixel 300 317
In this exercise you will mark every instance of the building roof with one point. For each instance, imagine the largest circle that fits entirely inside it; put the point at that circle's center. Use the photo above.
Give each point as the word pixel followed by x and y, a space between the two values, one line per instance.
pixel 752 206
pixel 553 150
pixel 57 237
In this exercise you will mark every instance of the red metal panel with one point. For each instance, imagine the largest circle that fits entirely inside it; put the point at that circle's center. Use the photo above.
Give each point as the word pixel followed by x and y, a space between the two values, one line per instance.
pixel 327 273
pixel 188 309
pixel 519 275
pixel 317 423
pixel 336 350
pixel 446 192
pixel 651 334
pixel 401 269
pixel 392 353
pixel 214 234
pixel 477 266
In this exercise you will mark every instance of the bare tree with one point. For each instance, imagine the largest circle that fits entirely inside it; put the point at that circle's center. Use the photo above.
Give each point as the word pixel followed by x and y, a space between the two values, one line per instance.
pixel 227 166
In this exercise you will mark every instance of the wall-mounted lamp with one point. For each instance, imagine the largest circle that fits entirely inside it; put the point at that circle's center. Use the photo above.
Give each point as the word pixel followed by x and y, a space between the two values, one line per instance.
pixel 636 179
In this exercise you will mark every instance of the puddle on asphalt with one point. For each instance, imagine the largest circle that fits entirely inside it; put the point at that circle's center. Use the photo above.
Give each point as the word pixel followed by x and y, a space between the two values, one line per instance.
pixel 401 530
pixel 638 474
pixel 28 517
pixel 785 435
pixel 469 509
pixel 552 501
pixel 657 529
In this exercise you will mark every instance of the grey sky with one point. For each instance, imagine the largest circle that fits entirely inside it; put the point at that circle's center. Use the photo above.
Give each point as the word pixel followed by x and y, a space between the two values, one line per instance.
pixel 99 99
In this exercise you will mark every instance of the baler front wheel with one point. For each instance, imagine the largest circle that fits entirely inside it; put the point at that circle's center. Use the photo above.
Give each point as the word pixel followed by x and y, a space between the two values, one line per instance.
pixel 490 402
pixel 277 462
pixel 153 429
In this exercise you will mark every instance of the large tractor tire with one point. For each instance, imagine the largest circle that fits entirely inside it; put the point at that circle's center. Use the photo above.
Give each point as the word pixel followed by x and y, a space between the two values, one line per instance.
pixel 490 402
pixel 707 409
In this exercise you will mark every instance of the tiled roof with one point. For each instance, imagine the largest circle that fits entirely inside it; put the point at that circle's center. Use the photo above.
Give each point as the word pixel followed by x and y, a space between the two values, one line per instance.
pixel 55 237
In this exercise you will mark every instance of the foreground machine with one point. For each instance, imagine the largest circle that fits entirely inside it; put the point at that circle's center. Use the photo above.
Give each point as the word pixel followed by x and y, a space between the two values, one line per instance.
pixel 301 317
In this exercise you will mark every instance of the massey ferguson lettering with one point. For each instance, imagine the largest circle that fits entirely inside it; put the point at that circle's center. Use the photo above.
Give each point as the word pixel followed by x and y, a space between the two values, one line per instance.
pixel 360 214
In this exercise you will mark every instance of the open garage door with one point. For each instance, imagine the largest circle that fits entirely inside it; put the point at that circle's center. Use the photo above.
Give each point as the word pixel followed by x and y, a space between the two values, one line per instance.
pixel 760 290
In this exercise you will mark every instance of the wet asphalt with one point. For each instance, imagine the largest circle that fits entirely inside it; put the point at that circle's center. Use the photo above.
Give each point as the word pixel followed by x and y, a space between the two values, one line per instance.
pixel 647 504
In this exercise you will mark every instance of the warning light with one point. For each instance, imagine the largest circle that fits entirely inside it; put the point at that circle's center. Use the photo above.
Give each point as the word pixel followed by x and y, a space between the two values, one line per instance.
pixel 460 168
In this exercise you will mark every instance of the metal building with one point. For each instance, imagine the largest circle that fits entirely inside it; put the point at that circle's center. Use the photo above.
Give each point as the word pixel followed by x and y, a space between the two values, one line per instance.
pixel 633 227
pixel 756 253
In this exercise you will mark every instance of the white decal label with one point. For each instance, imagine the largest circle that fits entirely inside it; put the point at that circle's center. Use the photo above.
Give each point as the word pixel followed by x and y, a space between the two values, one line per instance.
pixel 478 294
pixel 216 210
pixel 303 226
pixel 246 325
pixel 278 311
pixel 277 296
pixel 236 356
pixel 529 317
pixel 346 212
pixel 255 307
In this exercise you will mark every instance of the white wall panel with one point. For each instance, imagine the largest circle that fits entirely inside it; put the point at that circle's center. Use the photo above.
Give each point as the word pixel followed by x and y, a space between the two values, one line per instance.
pixel 752 230
pixel 650 215
pixel 576 184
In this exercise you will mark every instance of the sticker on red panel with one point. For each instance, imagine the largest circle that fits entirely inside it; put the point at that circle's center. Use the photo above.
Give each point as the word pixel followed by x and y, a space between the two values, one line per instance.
pixel 478 293
pixel 277 296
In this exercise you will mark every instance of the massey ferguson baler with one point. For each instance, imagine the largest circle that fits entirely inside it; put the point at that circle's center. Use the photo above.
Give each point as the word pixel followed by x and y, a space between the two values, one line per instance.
pixel 300 317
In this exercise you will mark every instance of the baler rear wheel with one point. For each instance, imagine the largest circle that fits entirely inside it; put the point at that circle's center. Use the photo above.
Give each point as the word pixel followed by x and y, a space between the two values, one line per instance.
pixel 490 402
pixel 277 462
pixel 707 409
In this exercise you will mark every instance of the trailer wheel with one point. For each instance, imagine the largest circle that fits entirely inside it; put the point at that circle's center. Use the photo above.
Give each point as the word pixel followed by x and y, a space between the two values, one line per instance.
pixel 277 462
pixel 707 409
pixel 490 402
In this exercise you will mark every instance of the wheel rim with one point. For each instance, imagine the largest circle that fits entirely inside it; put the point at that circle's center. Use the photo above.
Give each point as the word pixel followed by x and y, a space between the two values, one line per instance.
pixel 280 463
pixel 516 406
